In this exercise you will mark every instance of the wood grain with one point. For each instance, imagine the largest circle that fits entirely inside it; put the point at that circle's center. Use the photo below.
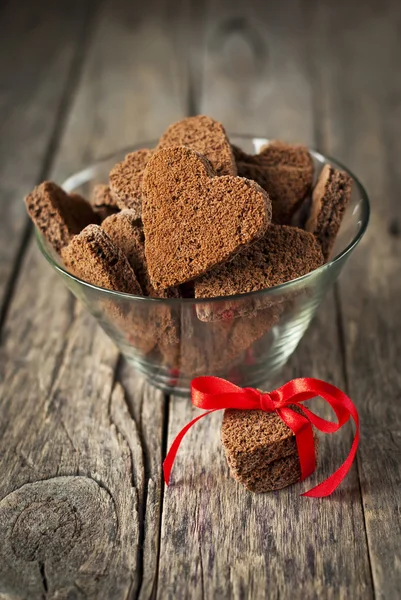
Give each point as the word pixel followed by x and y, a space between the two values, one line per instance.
pixel 256 76
pixel 80 435
pixel 69 508
pixel 230 543
pixel 133 83
pixel 218 540
pixel 361 112
pixel 41 44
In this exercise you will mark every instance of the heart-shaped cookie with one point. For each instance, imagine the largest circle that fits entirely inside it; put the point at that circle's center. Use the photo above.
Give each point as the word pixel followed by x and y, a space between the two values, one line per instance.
pixel 285 171
pixel 125 180
pixel 284 253
pixel 126 231
pixel 103 202
pixel 206 136
pixel 261 450
pixel 330 198
pixel 93 257
pixel 58 215
pixel 193 220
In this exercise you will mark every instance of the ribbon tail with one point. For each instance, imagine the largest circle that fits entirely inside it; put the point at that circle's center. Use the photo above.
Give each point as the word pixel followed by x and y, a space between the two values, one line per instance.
pixel 299 390
pixel 302 429
pixel 328 486
pixel 171 454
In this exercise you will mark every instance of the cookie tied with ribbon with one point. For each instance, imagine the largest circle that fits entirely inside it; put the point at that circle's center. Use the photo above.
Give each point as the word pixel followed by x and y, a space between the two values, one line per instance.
pixel 277 448
pixel 261 449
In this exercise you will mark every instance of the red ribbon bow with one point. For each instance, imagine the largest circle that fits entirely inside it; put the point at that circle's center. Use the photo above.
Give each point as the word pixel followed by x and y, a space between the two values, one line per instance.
pixel 213 393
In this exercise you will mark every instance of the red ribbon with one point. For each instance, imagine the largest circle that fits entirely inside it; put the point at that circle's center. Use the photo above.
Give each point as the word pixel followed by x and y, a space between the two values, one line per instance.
pixel 213 393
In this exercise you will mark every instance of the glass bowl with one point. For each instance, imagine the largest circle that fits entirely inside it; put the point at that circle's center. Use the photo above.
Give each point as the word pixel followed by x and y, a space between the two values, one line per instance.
pixel 246 339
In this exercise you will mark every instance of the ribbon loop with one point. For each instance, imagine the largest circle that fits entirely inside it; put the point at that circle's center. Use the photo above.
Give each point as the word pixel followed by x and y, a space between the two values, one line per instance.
pixel 213 393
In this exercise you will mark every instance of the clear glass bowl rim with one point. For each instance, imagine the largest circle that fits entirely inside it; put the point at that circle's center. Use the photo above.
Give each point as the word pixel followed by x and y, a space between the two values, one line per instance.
pixel 365 214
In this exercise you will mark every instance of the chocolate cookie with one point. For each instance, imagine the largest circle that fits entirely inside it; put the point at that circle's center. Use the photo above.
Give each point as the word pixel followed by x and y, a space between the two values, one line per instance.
pixel 285 171
pixel 125 229
pixel 205 350
pixel 57 215
pixel 284 253
pixel 206 136
pixel 212 348
pixel 274 476
pixel 93 257
pixel 193 220
pixel 330 198
pixel 103 202
pixel 261 450
pixel 125 180
pixel 280 154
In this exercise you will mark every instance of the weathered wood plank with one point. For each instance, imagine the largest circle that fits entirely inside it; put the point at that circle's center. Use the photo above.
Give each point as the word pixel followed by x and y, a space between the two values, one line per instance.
pixel 134 84
pixel 230 543
pixel 361 111
pixel 80 439
pixel 62 530
pixel 218 540
pixel 256 76
pixel 41 45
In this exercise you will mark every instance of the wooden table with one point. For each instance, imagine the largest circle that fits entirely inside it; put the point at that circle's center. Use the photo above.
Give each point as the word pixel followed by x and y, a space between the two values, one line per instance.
pixel 83 512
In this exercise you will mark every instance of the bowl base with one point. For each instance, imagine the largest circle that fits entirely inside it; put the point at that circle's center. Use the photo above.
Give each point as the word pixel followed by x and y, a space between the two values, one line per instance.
pixel 175 383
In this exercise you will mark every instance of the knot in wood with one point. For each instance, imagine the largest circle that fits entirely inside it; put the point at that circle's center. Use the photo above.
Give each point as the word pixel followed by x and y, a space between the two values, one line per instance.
pixel 45 529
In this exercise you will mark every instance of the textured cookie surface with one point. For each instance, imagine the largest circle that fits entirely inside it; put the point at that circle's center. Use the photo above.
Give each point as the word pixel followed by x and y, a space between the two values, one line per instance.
pixel 193 220
pixel 280 154
pixel 267 478
pixel 284 253
pixel 58 215
pixel 285 171
pixel 103 202
pixel 261 450
pixel 206 136
pixel 330 198
pixel 93 257
pixel 125 179
pixel 252 435
pixel 125 229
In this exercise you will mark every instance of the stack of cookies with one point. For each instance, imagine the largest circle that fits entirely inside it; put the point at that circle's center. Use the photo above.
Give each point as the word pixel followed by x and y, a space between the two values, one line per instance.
pixel 196 217
pixel 261 450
